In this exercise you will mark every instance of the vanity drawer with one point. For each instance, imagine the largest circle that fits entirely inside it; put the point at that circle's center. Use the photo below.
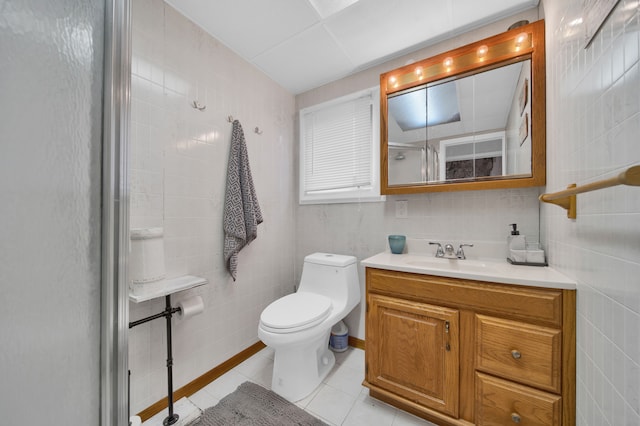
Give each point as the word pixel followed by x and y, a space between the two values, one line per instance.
pixel 500 402
pixel 518 351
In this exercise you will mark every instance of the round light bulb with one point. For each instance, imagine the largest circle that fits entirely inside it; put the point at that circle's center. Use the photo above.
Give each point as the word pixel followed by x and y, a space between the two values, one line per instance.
pixel 521 38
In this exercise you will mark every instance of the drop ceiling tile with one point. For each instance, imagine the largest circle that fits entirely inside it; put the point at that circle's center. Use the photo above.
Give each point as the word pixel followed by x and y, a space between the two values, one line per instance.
pixel 249 27
pixel 308 60
pixel 472 12
pixel 372 29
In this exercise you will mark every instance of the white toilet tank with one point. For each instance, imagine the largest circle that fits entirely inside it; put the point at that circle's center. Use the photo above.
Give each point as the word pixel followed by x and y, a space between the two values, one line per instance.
pixel 332 275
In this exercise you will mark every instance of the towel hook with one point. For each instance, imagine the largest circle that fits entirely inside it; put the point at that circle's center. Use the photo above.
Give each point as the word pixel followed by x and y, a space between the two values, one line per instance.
pixel 257 131
pixel 230 118
pixel 198 106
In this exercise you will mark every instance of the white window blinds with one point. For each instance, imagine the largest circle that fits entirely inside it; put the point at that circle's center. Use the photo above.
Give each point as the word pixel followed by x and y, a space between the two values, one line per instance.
pixel 337 147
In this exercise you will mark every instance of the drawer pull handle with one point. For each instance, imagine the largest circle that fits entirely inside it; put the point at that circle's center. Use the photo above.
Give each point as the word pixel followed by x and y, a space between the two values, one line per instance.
pixel 516 354
pixel 515 417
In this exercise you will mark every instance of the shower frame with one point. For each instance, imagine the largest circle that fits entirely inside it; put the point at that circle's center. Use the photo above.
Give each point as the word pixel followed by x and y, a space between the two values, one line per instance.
pixel 114 315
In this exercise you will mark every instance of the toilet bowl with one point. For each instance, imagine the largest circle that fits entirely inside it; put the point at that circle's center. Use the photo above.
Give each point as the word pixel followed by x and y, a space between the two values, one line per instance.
pixel 298 326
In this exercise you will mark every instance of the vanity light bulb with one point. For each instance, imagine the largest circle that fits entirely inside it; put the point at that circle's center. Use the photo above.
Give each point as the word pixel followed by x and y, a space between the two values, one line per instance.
pixel 482 51
pixel 520 39
pixel 448 62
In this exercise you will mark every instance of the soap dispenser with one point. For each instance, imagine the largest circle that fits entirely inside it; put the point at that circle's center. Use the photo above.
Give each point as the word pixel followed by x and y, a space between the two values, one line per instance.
pixel 516 245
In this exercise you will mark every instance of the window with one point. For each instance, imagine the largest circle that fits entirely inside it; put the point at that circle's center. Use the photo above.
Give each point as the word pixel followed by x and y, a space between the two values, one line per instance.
pixel 467 157
pixel 339 150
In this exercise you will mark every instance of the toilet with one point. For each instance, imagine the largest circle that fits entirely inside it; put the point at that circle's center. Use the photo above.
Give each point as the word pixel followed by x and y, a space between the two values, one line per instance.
pixel 298 326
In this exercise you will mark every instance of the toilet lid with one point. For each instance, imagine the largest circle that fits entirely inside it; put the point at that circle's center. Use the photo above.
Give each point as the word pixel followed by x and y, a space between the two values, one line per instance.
pixel 296 311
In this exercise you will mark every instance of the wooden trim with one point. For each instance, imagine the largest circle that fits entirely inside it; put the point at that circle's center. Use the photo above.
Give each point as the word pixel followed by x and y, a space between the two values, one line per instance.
pixel 217 371
pixel 356 343
pixel 467 364
pixel 202 381
pixel 569 358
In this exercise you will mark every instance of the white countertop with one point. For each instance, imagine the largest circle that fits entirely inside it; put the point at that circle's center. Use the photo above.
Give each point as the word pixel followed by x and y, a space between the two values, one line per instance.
pixel 491 270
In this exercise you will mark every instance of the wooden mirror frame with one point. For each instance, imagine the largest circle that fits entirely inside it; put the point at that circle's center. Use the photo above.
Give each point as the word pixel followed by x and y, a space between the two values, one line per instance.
pixel 525 42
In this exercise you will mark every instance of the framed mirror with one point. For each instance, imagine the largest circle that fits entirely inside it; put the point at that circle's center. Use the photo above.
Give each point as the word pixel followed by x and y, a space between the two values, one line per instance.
pixel 471 118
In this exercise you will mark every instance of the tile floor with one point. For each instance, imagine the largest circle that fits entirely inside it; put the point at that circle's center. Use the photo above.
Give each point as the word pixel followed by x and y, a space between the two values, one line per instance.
pixel 339 400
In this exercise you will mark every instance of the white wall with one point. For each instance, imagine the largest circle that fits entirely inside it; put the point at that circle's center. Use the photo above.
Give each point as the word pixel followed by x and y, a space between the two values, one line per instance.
pixel 478 217
pixel 593 123
pixel 50 150
pixel 178 174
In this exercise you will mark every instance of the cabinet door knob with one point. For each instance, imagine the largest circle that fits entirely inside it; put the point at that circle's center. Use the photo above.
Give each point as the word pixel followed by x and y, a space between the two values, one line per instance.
pixel 515 417
pixel 516 354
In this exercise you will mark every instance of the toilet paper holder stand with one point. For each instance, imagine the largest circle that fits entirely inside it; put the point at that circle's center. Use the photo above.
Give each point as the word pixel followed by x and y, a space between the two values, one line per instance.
pixel 167 314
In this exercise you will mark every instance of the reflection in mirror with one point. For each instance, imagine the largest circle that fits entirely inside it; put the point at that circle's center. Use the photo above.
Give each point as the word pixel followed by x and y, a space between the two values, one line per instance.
pixel 462 129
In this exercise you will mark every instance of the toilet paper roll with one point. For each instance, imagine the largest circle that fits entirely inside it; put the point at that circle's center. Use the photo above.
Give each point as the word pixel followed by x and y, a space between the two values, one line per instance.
pixel 190 307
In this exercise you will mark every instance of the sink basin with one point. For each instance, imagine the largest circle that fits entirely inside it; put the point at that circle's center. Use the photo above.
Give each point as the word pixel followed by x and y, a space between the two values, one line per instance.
pixel 450 264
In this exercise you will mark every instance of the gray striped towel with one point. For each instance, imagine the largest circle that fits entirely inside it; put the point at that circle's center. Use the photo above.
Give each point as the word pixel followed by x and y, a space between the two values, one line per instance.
pixel 241 210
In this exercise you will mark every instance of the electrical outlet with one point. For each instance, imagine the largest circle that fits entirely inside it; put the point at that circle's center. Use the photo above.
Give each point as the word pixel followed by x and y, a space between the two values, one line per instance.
pixel 402 209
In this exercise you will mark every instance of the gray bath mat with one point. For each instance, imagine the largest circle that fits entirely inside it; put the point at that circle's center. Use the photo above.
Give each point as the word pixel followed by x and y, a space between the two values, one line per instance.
pixel 253 405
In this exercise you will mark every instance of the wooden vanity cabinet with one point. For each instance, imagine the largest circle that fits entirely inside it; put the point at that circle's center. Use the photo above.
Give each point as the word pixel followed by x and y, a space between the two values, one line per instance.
pixel 463 352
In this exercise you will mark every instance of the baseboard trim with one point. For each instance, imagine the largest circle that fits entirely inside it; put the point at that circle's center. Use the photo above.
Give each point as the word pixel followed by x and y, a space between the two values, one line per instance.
pixel 217 371
pixel 356 343
pixel 202 381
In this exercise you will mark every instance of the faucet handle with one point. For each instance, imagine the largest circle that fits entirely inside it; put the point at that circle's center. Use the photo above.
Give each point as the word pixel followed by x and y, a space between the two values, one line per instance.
pixel 460 253
pixel 439 251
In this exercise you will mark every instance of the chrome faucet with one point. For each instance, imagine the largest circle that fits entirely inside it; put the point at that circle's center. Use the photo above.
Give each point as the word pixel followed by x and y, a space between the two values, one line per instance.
pixel 439 251
pixel 447 251
pixel 460 254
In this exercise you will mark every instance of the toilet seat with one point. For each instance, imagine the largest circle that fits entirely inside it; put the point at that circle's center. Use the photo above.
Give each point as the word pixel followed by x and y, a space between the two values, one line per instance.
pixel 295 312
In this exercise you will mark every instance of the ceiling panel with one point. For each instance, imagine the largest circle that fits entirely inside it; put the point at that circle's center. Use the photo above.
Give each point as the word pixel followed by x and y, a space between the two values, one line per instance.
pixel 249 27
pixel 302 47
pixel 372 29
pixel 296 69
pixel 469 12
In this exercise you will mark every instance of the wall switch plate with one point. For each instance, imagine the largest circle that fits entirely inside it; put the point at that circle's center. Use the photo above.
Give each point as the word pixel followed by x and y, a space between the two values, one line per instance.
pixel 402 209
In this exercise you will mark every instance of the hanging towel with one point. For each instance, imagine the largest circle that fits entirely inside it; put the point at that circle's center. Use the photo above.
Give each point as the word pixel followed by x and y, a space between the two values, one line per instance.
pixel 241 210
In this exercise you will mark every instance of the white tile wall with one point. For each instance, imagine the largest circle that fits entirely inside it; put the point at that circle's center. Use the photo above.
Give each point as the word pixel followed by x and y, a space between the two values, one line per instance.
pixel 178 174
pixel 478 217
pixel 593 113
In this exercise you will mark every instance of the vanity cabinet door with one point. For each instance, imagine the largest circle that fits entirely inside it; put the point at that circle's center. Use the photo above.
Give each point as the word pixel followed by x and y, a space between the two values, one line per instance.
pixel 412 351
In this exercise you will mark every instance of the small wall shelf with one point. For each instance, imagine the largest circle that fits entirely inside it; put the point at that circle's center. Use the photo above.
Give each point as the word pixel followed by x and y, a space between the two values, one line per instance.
pixel 169 286
pixel 567 198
